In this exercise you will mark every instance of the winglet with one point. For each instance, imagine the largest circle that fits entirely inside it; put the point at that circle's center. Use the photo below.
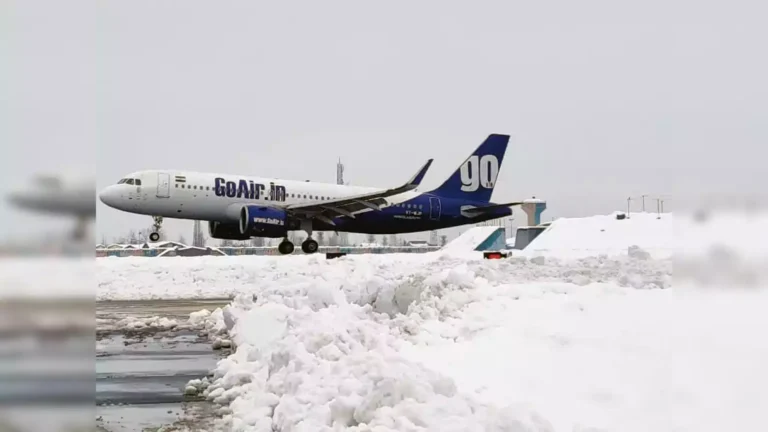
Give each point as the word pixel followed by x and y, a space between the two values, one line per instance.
pixel 415 181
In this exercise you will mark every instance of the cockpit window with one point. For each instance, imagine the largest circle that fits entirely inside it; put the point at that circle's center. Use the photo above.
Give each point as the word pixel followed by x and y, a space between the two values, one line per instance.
pixel 136 182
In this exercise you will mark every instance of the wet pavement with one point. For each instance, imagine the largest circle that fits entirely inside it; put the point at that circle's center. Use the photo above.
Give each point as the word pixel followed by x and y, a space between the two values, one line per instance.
pixel 141 372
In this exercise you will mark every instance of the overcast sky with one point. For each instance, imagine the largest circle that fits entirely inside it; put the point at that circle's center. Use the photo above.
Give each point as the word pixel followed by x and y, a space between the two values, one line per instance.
pixel 603 99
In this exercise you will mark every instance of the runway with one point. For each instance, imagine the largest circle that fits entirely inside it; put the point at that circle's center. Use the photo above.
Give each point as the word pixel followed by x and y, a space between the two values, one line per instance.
pixel 141 372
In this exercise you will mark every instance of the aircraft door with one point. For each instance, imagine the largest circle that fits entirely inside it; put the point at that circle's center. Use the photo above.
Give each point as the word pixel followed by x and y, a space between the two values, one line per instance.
pixel 163 185
pixel 434 208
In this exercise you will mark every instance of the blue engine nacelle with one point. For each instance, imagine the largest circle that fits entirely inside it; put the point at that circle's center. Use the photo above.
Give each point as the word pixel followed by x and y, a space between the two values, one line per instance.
pixel 226 231
pixel 260 221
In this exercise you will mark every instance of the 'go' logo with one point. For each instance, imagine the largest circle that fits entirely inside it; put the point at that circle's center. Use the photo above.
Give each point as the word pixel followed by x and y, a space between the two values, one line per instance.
pixel 479 172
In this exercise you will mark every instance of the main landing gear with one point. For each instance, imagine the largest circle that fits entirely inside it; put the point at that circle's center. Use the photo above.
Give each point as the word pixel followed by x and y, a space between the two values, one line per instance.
pixel 309 246
pixel 285 247
pixel 156 226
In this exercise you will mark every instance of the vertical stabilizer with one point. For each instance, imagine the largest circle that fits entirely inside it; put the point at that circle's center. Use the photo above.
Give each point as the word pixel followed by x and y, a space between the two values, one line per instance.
pixel 475 179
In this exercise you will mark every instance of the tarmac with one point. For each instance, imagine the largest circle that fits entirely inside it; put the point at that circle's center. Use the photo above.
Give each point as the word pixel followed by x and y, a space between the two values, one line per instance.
pixel 141 374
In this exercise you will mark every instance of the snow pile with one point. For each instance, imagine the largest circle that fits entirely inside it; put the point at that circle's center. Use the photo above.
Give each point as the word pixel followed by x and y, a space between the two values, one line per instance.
pixel 380 280
pixel 211 322
pixel 339 368
pixel 324 350
pixel 612 359
pixel 205 323
pixel 595 235
pixel 213 326
pixel 132 278
pixel 145 323
pixel 487 346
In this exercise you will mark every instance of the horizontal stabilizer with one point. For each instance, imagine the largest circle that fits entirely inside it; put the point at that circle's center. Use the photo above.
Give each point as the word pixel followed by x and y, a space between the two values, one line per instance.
pixel 477 211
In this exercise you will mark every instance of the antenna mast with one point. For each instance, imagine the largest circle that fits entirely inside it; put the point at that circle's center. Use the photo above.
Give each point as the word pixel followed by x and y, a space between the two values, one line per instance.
pixel 340 181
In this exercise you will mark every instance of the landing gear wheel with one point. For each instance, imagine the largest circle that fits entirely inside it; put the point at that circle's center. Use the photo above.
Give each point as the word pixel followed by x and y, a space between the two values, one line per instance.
pixel 156 226
pixel 309 246
pixel 285 247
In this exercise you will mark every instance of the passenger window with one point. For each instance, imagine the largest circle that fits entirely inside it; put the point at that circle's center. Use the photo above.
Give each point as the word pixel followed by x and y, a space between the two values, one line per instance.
pixel 183 187
pixel 207 188
pixel 177 186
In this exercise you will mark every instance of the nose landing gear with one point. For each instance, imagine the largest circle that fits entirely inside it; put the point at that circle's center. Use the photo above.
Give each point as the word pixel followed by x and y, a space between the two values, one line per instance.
pixel 156 226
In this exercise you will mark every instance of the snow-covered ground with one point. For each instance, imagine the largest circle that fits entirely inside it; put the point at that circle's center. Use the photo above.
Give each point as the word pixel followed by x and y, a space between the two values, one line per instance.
pixel 604 234
pixel 362 278
pixel 451 342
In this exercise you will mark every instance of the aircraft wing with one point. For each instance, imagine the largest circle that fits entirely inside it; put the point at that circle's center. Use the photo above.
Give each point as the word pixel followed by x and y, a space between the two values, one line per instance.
pixel 347 206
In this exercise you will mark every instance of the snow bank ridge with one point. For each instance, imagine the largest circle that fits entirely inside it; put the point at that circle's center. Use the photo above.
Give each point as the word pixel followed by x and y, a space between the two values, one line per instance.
pixel 319 350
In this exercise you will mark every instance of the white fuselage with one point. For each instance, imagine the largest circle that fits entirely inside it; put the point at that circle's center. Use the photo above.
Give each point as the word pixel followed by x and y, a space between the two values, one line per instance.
pixel 209 196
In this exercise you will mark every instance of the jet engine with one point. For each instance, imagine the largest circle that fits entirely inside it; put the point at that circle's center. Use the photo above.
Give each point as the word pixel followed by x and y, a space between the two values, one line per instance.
pixel 260 221
pixel 226 231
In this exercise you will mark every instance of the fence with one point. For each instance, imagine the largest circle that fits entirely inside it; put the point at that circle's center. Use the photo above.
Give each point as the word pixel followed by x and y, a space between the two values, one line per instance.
pixel 235 251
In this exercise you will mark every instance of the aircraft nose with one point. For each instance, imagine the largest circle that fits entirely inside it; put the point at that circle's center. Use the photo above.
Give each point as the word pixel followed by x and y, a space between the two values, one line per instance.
pixel 110 196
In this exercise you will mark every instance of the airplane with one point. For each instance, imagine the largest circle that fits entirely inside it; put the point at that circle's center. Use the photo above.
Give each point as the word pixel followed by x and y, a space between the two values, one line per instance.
pixel 54 196
pixel 239 207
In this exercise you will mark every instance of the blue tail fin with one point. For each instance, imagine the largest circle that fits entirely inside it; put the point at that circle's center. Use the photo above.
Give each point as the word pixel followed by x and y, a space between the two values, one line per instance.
pixel 476 177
